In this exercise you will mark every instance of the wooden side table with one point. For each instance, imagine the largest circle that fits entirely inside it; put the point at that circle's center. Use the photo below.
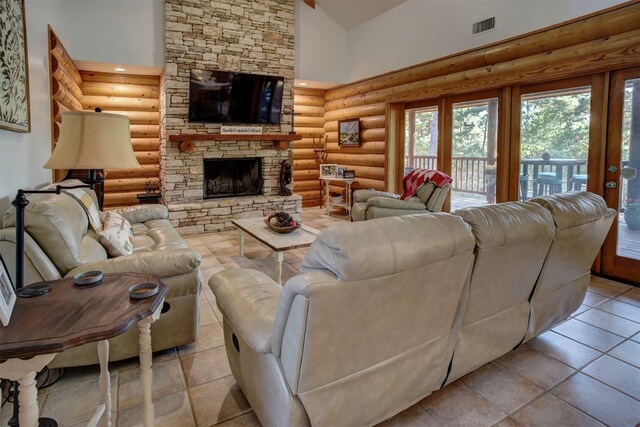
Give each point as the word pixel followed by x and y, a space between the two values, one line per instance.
pixel 72 315
pixel 327 198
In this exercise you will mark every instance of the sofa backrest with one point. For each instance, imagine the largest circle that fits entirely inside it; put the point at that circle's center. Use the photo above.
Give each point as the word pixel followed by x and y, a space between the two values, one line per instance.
pixel 374 310
pixel 582 222
pixel 59 225
pixel 512 241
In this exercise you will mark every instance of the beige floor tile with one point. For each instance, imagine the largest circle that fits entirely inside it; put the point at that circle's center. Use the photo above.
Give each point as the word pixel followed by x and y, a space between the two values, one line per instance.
pixel 458 405
pixel 617 374
pixel 218 401
pixel 170 411
pixel 588 335
pixel 73 405
pixel 536 367
pixel 630 297
pixel 167 379
pixel 503 388
pixel 622 309
pixel 205 366
pixel 207 316
pixel 245 420
pixel 599 400
pixel 580 310
pixel 607 288
pixel 610 322
pixel 548 410
pixel 508 422
pixel 592 300
pixel 564 349
pixel 82 374
pixel 209 336
pixel 413 416
pixel 628 351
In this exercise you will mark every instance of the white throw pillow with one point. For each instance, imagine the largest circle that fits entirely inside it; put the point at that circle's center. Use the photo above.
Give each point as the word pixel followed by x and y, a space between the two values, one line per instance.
pixel 116 235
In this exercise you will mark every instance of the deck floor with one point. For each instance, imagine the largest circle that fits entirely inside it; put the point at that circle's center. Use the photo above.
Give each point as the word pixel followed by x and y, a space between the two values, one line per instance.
pixel 628 240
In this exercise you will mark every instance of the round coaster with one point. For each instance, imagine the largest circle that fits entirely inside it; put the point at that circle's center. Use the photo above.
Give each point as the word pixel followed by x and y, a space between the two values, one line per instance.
pixel 143 290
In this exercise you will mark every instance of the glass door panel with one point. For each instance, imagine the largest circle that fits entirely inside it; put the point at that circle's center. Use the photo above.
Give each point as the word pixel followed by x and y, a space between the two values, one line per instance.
pixel 628 241
pixel 421 138
pixel 554 141
pixel 474 139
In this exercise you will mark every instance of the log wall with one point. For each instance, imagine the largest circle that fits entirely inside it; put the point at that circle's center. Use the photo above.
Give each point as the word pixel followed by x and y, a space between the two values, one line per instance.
pixel 64 84
pixel 598 42
pixel 308 121
pixel 137 97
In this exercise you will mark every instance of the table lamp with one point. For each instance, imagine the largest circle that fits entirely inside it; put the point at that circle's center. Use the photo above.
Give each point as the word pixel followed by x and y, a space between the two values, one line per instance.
pixel 93 140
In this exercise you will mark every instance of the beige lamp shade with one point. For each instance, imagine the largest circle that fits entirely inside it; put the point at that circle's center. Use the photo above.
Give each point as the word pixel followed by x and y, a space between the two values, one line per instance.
pixel 91 140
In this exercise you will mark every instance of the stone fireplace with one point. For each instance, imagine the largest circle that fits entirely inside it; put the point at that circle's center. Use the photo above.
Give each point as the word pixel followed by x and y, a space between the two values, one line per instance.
pixel 228 35
pixel 232 177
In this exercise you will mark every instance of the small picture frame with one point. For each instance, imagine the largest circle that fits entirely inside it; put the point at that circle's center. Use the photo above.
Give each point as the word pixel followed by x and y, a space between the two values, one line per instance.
pixel 7 295
pixel 349 133
pixel 328 170
pixel 340 171
pixel 349 174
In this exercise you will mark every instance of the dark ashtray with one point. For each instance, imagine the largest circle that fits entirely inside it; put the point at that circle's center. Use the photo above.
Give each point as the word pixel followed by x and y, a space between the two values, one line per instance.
pixel 88 278
pixel 143 290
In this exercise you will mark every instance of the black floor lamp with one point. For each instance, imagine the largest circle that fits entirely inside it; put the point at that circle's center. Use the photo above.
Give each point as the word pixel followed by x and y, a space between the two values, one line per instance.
pixel 88 140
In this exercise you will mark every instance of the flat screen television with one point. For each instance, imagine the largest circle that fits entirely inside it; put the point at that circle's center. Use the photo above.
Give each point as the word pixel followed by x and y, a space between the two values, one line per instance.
pixel 228 97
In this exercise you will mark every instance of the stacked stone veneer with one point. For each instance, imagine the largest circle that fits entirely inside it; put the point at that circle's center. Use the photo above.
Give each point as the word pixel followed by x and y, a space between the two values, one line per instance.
pixel 251 36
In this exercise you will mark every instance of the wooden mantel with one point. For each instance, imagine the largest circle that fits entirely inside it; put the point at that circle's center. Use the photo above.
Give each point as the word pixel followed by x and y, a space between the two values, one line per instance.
pixel 280 140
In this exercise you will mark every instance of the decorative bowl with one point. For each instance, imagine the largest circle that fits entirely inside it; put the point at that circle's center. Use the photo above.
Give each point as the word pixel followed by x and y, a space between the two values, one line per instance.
pixel 281 230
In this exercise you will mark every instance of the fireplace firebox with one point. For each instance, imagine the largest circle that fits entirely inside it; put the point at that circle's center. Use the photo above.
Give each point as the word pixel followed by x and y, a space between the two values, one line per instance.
pixel 232 177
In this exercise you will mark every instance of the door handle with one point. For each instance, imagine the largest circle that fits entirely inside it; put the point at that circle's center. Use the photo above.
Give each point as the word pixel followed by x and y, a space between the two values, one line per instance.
pixel 610 184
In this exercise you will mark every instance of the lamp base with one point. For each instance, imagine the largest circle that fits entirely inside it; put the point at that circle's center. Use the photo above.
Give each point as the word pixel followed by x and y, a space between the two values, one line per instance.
pixel 34 290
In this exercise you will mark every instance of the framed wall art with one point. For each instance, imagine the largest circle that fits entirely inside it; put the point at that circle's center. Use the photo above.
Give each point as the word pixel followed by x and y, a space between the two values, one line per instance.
pixel 328 170
pixel 349 133
pixel 14 70
pixel 7 295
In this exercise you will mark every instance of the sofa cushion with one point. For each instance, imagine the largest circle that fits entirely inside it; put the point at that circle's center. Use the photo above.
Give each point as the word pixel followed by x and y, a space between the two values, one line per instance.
pixel 117 235
pixel 156 234
pixel 59 225
pixel 574 208
pixel 352 252
pixel 89 205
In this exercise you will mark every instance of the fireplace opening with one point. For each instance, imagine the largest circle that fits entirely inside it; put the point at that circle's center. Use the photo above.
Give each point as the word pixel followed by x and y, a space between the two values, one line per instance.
pixel 232 177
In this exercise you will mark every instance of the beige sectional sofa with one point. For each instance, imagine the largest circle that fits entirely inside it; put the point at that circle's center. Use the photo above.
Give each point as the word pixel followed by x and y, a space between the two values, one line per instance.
pixel 385 312
pixel 59 243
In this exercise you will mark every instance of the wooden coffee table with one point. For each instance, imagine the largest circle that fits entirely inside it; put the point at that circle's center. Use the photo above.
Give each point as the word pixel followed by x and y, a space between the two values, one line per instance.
pixel 278 243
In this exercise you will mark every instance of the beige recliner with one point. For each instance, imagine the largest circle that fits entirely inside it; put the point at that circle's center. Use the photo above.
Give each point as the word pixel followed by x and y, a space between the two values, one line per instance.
pixel 59 243
pixel 384 308
pixel 365 331
pixel 372 204
pixel 512 242
pixel 582 222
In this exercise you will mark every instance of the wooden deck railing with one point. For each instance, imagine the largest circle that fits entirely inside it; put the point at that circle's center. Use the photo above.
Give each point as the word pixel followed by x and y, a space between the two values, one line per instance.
pixel 468 173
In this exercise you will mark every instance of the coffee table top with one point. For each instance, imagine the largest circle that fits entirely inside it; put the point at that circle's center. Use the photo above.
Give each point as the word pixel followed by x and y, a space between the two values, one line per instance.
pixel 257 228
pixel 72 315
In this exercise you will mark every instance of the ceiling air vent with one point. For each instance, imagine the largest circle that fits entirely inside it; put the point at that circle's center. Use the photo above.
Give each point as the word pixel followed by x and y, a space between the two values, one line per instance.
pixel 482 26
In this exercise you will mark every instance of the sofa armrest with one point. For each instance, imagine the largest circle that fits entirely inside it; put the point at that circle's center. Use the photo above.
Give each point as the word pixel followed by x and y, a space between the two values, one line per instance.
pixel 166 263
pixel 143 213
pixel 248 300
pixel 364 195
pixel 384 202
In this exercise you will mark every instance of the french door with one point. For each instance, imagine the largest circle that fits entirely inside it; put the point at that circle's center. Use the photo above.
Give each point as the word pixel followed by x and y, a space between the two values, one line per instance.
pixel 621 251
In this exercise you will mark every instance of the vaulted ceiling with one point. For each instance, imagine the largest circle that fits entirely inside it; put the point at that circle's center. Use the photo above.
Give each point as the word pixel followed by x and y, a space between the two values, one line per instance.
pixel 351 13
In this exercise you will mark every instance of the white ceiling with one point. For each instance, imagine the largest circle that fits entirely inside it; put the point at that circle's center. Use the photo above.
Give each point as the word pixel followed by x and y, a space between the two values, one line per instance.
pixel 351 13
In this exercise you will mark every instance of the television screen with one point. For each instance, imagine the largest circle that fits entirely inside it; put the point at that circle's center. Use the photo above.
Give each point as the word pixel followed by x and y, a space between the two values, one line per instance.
pixel 227 97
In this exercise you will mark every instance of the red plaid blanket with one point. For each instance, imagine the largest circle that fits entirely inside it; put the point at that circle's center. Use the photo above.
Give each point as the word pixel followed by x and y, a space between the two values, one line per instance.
pixel 417 177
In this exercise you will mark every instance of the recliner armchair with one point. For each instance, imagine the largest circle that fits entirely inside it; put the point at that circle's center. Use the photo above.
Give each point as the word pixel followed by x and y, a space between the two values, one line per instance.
pixel 372 204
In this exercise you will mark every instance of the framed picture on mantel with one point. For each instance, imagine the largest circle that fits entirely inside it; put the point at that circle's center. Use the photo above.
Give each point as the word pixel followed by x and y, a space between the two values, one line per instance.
pixel 14 69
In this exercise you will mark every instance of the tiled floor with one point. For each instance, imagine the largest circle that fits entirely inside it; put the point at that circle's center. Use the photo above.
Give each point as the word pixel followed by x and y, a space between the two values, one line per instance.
pixel 584 372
